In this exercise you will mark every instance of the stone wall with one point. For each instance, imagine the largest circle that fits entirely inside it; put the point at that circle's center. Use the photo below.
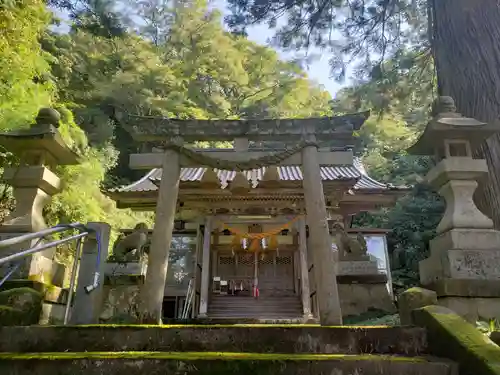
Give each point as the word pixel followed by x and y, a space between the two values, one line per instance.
pixel 356 299
pixel 120 304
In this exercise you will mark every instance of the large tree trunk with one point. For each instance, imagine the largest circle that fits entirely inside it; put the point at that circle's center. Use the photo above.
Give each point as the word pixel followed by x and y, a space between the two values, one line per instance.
pixel 466 47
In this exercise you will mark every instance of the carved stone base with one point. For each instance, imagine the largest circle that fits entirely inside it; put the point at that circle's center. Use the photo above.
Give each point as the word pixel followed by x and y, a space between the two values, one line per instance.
pixel 33 188
pixel 357 267
pixel 470 254
pixel 112 269
pixel 473 309
pixel 456 180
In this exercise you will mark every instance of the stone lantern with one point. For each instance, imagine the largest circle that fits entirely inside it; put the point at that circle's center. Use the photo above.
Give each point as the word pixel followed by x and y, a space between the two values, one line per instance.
pixel 464 263
pixel 39 147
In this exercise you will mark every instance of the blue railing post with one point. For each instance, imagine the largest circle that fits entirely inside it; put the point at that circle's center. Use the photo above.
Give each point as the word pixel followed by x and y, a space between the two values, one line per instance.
pixel 88 297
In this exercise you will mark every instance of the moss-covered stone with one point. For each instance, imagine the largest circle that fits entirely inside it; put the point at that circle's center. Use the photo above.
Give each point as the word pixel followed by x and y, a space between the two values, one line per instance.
pixel 414 298
pixel 10 316
pixel 452 337
pixel 20 306
pixel 369 315
pixel 238 338
pixel 219 363
pixel 50 293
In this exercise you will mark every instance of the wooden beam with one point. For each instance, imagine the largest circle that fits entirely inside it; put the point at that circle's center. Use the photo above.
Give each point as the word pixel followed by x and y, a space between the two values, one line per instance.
pixel 154 160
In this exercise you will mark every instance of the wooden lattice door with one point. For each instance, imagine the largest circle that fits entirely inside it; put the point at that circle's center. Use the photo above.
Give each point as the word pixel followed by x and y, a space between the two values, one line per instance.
pixel 238 269
pixel 276 273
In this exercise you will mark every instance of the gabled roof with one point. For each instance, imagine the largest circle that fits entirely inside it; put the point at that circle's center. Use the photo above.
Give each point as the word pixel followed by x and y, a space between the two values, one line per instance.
pixel 286 173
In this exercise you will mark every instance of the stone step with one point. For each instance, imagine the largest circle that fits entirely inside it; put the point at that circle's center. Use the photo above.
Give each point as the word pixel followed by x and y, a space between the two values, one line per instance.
pixel 286 338
pixel 255 305
pixel 255 308
pixel 259 318
pixel 140 363
pixel 230 303
pixel 251 300
pixel 246 321
pixel 255 313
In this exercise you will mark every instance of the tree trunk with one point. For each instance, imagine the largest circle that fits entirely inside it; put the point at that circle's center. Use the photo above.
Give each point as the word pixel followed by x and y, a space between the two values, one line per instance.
pixel 466 48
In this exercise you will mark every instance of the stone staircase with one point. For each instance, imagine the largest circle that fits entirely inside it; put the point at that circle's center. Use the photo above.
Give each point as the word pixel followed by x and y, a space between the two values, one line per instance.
pixel 258 309
pixel 218 349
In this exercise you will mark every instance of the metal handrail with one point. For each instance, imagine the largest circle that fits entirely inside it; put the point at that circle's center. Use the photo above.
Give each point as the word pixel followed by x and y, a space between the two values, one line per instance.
pixel 84 232
pixel 36 249
pixel 40 234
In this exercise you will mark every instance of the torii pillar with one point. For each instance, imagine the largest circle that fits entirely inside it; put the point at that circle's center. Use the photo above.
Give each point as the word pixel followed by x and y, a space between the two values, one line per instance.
pixel 154 285
pixel 320 240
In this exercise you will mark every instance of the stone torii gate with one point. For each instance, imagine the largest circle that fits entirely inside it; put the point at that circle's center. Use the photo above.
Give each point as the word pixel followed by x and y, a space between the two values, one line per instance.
pixel 170 134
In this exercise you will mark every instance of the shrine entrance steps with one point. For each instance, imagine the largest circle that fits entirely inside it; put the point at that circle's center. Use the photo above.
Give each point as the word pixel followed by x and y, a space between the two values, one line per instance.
pixel 262 308
pixel 218 350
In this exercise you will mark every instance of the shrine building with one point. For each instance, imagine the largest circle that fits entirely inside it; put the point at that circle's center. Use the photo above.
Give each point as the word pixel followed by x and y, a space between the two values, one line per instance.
pixel 250 227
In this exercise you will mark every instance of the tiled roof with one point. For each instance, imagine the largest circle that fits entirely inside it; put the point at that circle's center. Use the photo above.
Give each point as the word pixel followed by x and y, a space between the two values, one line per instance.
pixel 286 173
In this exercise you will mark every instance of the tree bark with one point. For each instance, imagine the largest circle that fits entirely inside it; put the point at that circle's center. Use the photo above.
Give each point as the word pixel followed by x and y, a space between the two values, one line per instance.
pixel 466 48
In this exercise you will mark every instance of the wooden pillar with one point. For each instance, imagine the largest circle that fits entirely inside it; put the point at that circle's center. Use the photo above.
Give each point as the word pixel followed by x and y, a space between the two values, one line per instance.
pixel 154 286
pixel 304 272
pixel 196 278
pixel 321 243
pixel 205 268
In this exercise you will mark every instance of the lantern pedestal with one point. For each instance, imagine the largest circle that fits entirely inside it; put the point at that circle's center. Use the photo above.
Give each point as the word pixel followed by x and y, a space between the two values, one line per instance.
pixel 464 263
pixel 39 148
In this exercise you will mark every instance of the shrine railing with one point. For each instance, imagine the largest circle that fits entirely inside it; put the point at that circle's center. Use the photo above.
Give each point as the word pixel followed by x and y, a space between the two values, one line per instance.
pixel 15 259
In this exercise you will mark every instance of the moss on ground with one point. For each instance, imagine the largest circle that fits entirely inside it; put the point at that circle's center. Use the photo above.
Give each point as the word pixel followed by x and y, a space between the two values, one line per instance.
pixel 452 337
pixel 11 314
pixel 368 315
pixel 193 356
pixel 177 326
pixel 6 296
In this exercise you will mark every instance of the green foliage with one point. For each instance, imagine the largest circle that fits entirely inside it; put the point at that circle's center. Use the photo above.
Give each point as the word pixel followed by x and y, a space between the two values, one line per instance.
pixel 182 64
pixel 356 32
pixel 384 139
pixel 386 43
pixel 489 326
pixel 23 87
